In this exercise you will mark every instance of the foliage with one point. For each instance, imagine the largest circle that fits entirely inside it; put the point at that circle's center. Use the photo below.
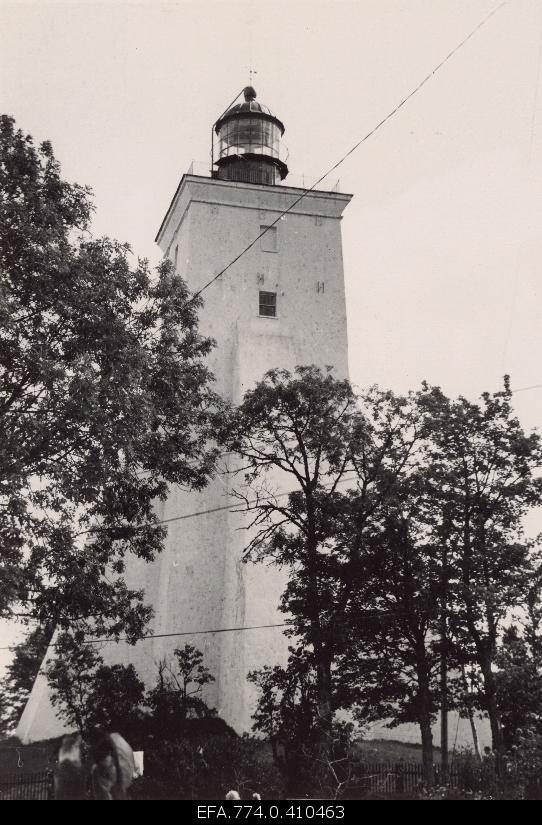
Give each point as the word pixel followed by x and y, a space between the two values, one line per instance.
pixel 89 694
pixel 519 688
pixel 303 427
pixel 330 536
pixel 410 568
pixel 287 716
pixel 177 694
pixel 482 481
pixel 104 400
pixel 207 767
pixel 524 765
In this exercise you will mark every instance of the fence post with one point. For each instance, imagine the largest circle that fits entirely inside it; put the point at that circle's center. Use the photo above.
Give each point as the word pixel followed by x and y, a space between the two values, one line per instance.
pixel 400 781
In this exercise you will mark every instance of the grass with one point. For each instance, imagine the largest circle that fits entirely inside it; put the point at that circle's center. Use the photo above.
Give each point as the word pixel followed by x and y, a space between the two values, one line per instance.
pixel 391 750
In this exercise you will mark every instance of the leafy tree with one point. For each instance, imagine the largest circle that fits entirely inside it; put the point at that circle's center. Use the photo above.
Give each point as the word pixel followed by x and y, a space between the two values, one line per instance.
pixel 308 431
pixel 449 563
pixel 117 700
pixel 484 476
pixel 104 400
pixel 70 675
pixel 519 689
pixel 395 652
pixel 177 694
pixel 411 569
pixel 287 715
pixel 89 694
pixel 20 675
pixel 392 621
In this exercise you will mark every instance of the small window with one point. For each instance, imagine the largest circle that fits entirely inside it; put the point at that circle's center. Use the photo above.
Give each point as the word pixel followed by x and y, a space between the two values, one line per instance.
pixel 268 304
pixel 176 257
pixel 268 242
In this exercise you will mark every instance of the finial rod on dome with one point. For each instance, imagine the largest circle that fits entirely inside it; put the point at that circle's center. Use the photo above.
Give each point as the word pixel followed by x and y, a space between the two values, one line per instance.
pixel 249 93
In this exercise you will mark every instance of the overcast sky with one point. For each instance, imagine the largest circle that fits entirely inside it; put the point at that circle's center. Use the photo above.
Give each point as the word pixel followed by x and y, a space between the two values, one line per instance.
pixel 442 241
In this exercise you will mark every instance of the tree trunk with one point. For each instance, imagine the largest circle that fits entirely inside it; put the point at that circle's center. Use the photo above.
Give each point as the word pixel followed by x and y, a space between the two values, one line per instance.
pixel 427 750
pixel 444 668
pixel 322 654
pixel 470 714
pixel 475 742
pixel 424 696
pixel 490 695
pixel 444 704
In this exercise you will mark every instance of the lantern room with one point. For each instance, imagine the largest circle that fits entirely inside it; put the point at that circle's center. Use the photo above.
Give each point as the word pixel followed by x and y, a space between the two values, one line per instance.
pixel 250 148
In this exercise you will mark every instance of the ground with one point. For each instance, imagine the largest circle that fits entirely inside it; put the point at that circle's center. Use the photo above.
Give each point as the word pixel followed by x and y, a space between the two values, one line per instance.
pixel 41 755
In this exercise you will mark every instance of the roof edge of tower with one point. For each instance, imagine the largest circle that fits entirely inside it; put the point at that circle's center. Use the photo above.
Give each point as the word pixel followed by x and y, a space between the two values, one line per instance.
pixel 283 189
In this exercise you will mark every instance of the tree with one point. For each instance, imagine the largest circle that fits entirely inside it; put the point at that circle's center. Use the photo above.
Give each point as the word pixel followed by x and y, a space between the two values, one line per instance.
pixel 307 428
pixel 395 651
pixel 20 675
pixel 89 694
pixel 104 400
pixel 449 563
pixel 483 470
pixel 287 715
pixel 519 688
pixel 393 618
pixel 117 700
pixel 177 694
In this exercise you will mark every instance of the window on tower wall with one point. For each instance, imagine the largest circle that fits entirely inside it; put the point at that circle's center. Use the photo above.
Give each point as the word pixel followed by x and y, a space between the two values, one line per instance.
pixel 268 242
pixel 268 304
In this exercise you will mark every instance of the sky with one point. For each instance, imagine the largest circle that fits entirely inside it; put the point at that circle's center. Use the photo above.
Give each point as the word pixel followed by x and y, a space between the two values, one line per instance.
pixel 442 240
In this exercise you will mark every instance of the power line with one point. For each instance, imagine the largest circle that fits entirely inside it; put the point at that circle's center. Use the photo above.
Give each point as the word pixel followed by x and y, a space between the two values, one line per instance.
pixel 185 633
pixel 230 507
pixel 353 149
pixel 368 614
pixel 169 635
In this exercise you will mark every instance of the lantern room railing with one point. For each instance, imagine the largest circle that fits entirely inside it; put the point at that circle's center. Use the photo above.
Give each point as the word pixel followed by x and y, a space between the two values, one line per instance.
pixel 297 181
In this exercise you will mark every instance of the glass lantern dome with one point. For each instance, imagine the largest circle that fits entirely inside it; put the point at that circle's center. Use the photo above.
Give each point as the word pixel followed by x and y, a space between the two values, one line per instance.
pixel 250 148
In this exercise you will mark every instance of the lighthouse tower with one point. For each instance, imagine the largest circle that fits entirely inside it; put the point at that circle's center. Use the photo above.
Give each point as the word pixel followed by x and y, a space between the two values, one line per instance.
pixel 282 304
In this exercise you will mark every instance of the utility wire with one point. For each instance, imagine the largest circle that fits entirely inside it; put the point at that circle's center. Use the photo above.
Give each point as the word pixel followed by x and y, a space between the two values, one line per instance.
pixel 524 389
pixel 231 507
pixel 353 149
pixel 368 614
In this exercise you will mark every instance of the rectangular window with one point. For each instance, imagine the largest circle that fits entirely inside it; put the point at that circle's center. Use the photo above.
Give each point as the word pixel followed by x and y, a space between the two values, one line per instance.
pixel 268 242
pixel 268 304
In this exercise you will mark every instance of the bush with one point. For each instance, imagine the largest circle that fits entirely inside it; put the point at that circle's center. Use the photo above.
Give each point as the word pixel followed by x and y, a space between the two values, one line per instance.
pixel 206 766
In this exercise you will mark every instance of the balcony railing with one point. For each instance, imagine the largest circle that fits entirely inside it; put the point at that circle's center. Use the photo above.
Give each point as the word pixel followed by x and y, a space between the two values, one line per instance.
pixel 298 181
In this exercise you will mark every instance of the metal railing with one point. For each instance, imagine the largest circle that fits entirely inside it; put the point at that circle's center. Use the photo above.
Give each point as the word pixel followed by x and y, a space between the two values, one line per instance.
pixel 26 786
pixel 298 181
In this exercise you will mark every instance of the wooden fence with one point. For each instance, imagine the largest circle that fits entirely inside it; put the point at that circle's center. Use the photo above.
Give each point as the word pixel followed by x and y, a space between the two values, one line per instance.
pixel 395 778
pixel 26 786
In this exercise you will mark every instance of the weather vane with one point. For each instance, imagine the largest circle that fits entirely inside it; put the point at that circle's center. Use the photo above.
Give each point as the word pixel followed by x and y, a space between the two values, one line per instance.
pixel 251 72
